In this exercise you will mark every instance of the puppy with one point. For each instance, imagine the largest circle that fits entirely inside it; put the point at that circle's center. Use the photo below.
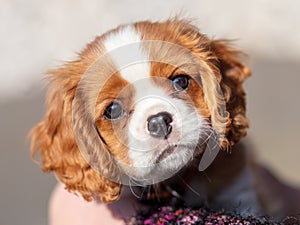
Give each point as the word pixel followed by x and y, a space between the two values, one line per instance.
pixel 150 106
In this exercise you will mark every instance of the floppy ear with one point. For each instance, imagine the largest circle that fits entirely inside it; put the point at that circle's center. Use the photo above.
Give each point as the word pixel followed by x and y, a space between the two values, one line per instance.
pixel 224 93
pixel 54 138
pixel 233 73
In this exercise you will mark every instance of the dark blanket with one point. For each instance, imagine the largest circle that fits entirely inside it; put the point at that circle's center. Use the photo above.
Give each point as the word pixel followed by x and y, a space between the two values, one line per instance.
pixel 182 215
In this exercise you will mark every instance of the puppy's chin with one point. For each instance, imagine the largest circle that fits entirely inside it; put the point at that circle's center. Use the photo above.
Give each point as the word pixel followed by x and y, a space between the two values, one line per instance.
pixel 164 165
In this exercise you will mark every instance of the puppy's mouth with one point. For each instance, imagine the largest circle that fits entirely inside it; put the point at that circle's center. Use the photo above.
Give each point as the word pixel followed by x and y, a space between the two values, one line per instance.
pixel 165 153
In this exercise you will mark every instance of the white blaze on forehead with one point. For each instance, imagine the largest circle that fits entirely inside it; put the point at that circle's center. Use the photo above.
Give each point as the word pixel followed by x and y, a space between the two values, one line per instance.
pixel 125 48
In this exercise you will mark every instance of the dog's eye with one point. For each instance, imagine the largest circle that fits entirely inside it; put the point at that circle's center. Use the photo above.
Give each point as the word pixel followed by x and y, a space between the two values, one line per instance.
pixel 181 82
pixel 114 111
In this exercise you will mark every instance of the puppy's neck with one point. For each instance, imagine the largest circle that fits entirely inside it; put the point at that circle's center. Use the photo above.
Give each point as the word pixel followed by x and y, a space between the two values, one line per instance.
pixel 190 184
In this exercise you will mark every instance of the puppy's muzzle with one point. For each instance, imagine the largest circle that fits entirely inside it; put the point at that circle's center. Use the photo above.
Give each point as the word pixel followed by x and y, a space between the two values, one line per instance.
pixel 159 125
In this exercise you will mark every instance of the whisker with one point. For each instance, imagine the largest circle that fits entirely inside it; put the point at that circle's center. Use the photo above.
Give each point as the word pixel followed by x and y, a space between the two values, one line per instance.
pixel 143 191
pixel 132 191
pixel 206 176
pixel 149 192
pixel 190 187
pixel 156 187
pixel 209 134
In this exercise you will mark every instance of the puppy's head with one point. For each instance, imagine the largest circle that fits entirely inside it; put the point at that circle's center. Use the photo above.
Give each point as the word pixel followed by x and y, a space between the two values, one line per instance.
pixel 138 104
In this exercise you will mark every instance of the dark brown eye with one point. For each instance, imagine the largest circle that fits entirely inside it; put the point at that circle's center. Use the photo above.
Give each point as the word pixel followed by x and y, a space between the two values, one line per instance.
pixel 114 111
pixel 181 82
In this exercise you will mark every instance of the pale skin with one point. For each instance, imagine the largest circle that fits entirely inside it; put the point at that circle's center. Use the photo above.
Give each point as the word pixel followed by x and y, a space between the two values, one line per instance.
pixel 66 208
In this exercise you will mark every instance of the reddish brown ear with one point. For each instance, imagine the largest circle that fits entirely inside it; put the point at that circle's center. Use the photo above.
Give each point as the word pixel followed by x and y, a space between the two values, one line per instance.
pixel 54 138
pixel 222 69
pixel 233 74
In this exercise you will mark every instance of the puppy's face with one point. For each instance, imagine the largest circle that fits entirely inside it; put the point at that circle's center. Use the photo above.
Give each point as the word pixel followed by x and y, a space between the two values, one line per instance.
pixel 151 110
pixel 141 101
pixel 152 125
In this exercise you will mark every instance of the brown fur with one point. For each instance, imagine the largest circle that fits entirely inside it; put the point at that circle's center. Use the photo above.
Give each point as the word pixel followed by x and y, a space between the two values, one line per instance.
pixel 223 61
pixel 53 137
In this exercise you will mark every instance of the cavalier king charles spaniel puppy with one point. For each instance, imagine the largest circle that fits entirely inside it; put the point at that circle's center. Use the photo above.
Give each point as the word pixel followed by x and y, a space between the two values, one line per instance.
pixel 156 108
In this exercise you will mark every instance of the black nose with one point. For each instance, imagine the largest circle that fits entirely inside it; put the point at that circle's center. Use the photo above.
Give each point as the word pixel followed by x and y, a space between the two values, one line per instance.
pixel 159 125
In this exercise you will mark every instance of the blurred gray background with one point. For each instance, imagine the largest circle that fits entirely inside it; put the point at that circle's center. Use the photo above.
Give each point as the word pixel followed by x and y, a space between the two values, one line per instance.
pixel 37 35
